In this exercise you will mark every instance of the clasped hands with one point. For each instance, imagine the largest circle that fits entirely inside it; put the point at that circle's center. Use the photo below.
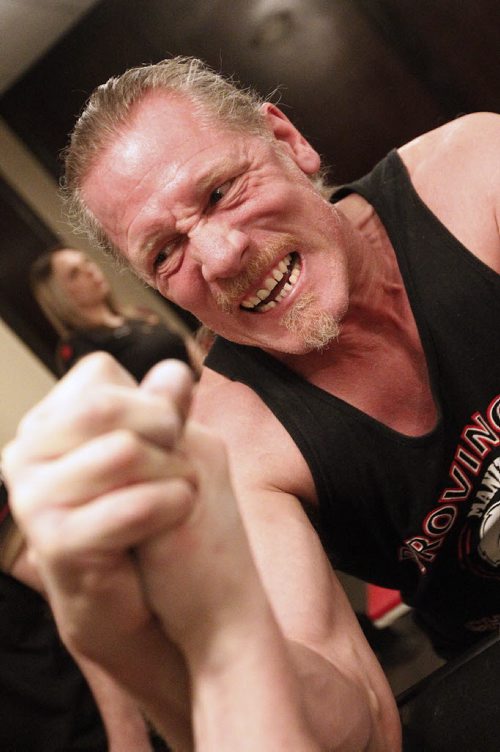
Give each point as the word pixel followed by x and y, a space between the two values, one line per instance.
pixel 128 511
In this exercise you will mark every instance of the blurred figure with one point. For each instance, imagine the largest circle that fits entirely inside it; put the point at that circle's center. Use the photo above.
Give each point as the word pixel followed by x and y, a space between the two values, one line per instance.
pixel 76 297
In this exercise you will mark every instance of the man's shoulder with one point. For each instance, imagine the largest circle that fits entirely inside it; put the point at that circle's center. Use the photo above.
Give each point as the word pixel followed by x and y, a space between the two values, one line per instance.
pixel 454 169
pixel 219 401
pixel 261 450
pixel 463 143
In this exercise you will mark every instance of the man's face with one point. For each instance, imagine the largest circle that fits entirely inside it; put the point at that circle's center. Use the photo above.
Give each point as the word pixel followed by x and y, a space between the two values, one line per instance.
pixel 225 224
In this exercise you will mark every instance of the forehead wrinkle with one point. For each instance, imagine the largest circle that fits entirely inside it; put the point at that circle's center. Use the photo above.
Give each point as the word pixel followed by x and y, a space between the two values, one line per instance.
pixel 201 184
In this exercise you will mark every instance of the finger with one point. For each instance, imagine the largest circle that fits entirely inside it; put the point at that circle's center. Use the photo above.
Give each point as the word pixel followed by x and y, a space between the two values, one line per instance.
pixel 71 392
pixel 103 409
pixel 110 462
pixel 114 522
pixel 173 380
pixel 93 369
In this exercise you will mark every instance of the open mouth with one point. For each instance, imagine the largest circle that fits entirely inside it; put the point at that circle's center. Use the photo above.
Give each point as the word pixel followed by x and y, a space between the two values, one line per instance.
pixel 276 286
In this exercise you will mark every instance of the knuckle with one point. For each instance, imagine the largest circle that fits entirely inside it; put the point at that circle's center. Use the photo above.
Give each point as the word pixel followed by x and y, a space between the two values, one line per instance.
pixel 101 410
pixel 126 450
pixel 98 364
pixel 31 420
pixel 172 426
pixel 184 494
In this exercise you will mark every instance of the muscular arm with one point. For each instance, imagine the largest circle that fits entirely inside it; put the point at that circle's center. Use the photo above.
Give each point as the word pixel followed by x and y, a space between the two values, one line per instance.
pixel 347 700
pixel 205 614
pixel 455 171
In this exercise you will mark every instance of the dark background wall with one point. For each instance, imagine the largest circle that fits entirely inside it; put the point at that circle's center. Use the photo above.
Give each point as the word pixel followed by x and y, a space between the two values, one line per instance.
pixel 359 77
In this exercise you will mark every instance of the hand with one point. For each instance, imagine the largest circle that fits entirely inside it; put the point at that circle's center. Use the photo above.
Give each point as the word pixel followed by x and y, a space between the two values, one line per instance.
pixel 130 516
pixel 199 576
pixel 91 474
pixel 129 513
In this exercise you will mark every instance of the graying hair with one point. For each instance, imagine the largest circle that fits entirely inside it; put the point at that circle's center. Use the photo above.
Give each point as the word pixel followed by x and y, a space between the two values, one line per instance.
pixel 108 111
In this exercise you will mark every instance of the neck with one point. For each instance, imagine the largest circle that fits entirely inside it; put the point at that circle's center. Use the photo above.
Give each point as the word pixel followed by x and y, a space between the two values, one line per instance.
pixel 378 307
pixel 102 315
pixel 377 363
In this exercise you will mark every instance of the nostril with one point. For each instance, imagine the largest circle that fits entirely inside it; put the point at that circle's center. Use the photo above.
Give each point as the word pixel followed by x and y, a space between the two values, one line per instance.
pixel 221 253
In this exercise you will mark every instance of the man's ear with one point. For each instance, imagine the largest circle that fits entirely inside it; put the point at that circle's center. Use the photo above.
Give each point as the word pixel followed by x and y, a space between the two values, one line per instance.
pixel 284 131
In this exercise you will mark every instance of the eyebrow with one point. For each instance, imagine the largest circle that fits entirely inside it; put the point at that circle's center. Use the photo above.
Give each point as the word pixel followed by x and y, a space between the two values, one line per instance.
pixel 208 177
pixel 212 174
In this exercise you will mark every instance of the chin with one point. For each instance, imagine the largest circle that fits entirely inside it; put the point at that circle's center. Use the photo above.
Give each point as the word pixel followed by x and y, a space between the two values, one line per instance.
pixel 312 328
pixel 303 329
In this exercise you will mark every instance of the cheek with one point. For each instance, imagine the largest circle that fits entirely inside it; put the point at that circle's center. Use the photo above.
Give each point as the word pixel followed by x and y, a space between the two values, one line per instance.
pixel 186 291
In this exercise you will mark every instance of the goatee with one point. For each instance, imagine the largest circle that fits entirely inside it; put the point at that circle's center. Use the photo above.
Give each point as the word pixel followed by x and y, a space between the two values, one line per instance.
pixel 315 327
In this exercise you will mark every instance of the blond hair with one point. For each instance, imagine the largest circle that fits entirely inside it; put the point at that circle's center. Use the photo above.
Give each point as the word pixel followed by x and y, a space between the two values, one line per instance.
pixel 56 304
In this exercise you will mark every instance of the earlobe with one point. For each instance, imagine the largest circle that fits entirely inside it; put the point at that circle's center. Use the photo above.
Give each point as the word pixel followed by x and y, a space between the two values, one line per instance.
pixel 284 131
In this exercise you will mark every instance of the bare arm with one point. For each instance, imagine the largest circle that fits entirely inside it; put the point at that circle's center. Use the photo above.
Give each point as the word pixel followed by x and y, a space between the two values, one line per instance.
pixel 207 629
pixel 126 729
pixel 345 694
pixel 455 170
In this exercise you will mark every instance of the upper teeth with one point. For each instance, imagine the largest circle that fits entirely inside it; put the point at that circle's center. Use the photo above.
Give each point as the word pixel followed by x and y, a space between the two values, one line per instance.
pixel 275 276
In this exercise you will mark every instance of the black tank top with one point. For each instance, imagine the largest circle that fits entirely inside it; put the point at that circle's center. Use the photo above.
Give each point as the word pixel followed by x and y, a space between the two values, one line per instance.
pixel 138 345
pixel 419 514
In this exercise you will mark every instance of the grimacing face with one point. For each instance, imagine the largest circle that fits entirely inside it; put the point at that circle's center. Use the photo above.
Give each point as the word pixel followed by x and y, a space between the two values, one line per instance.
pixel 225 224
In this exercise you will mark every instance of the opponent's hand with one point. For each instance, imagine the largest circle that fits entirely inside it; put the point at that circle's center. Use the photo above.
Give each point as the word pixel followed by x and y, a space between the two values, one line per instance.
pixel 93 472
pixel 132 521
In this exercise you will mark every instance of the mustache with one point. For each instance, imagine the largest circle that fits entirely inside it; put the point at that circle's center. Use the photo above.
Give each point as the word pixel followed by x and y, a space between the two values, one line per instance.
pixel 252 274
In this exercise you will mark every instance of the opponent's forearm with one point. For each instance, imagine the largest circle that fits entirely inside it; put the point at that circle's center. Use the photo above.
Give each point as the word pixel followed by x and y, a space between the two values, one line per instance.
pixel 163 694
pixel 152 671
pixel 125 726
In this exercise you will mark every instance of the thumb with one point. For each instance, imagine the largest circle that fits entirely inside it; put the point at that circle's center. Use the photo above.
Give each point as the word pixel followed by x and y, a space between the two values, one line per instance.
pixel 172 379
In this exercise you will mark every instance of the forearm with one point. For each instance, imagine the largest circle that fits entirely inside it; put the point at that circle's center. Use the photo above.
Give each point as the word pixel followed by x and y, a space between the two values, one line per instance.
pixel 245 693
pixel 154 675
pixel 164 696
pixel 125 726
pixel 124 722
pixel 251 689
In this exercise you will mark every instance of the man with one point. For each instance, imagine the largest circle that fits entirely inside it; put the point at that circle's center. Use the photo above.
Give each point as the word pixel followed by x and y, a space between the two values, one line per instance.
pixel 347 405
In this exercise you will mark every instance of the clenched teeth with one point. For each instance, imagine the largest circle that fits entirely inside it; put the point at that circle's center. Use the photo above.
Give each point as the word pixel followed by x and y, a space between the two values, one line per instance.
pixel 290 266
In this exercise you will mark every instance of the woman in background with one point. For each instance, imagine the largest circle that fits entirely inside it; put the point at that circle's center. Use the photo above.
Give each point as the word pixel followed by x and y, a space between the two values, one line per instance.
pixel 76 297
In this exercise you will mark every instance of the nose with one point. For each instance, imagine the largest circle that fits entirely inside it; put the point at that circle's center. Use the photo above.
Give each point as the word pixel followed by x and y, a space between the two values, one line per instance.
pixel 90 269
pixel 219 250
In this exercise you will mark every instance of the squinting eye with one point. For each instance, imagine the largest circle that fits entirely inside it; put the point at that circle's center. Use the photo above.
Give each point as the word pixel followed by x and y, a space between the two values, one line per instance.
pixel 161 257
pixel 219 193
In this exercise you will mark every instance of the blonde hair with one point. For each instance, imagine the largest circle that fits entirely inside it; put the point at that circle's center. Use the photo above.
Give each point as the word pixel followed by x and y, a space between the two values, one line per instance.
pixel 109 108
pixel 57 306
